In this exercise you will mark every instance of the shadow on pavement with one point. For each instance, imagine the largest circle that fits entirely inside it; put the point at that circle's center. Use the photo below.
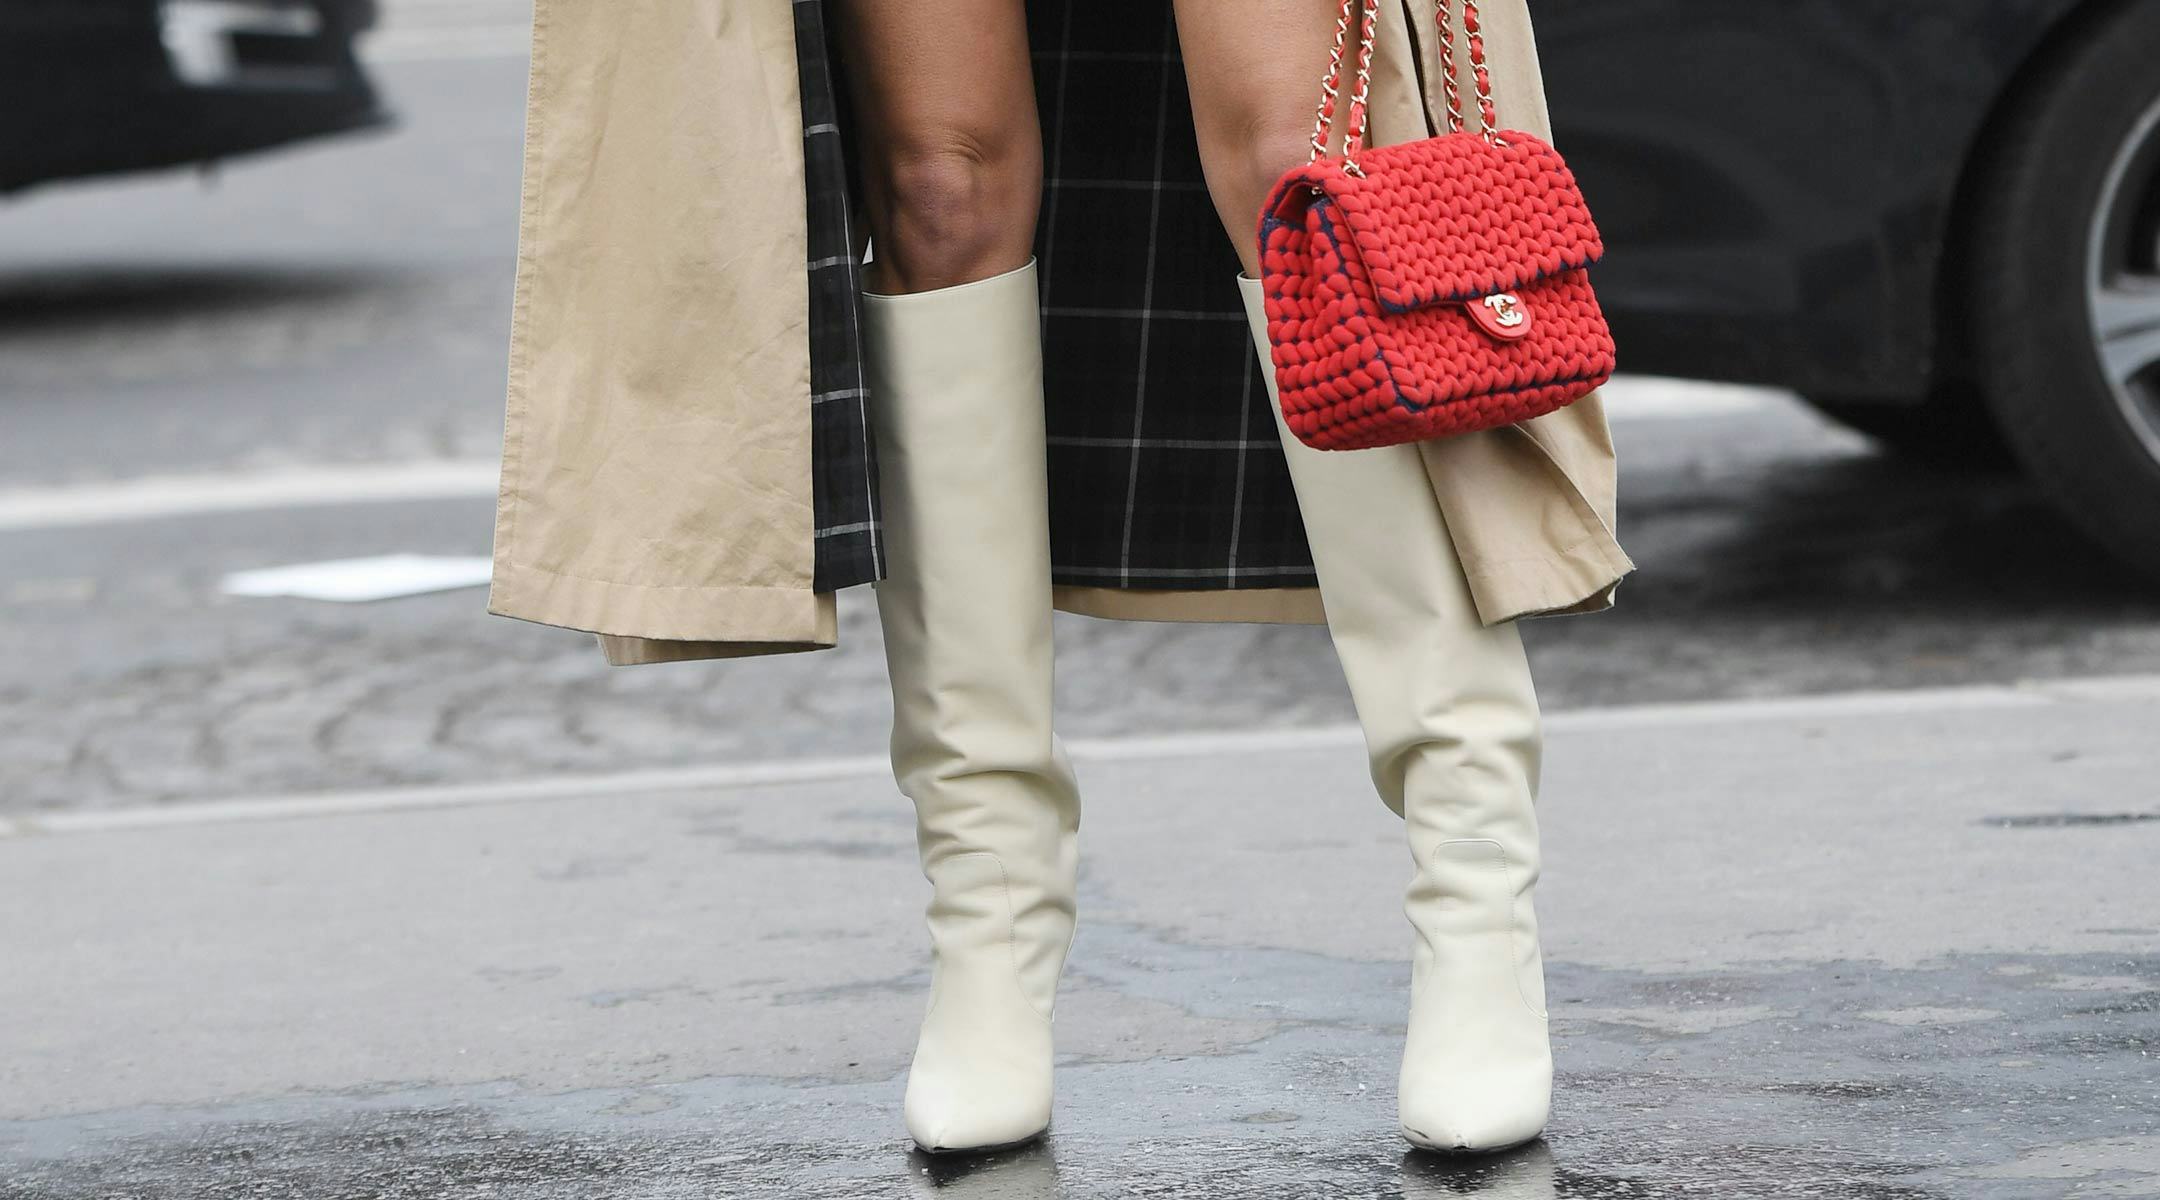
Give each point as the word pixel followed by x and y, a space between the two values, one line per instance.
pixel 52 301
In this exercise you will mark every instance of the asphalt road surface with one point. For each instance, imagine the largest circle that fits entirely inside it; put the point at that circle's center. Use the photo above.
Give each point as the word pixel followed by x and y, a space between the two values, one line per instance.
pixel 300 359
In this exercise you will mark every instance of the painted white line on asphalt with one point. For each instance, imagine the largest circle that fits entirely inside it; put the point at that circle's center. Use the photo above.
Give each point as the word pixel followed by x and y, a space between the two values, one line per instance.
pixel 1755 710
pixel 454 795
pixel 152 497
pixel 1650 398
pixel 446 45
pixel 418 30
pixel 359 580
pixel 721 777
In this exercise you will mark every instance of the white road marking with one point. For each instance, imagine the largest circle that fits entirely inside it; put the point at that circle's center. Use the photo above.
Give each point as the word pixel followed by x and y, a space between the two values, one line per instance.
pixel 439 45
pixel 424 30
pixel 359 580
pixel 1627 399
pixel 153 497
pixel 727 776
pixel 1650 398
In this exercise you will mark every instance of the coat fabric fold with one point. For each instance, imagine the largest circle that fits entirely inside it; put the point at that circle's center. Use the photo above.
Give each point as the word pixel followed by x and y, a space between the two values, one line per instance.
pixel 687 470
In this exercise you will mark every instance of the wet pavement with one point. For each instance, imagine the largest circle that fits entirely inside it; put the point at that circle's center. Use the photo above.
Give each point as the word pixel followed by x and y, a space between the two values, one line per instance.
pixel 1713 1085
pixel 1854 947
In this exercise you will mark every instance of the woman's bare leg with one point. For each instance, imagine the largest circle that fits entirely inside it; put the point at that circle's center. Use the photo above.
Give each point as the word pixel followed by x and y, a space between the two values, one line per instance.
pixel 1254 71
pixel 944 101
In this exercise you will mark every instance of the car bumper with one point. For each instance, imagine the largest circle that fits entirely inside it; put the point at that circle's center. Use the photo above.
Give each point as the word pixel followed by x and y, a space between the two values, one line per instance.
pixel 128 85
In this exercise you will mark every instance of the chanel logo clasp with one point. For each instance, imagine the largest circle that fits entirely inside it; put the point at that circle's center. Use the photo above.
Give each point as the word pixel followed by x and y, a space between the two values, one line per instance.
pixel 1502 315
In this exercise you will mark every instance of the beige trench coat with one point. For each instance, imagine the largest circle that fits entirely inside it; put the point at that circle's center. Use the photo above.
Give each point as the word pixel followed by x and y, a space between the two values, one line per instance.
pixel 656 484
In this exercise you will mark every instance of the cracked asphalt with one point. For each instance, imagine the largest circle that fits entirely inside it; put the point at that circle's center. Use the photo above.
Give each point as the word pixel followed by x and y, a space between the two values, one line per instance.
pixel 1803 943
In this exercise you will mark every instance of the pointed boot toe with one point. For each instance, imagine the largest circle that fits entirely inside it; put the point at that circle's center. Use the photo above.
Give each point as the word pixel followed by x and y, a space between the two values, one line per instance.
pixel 981 1078
pixel 1484 1116
pixel 968 1113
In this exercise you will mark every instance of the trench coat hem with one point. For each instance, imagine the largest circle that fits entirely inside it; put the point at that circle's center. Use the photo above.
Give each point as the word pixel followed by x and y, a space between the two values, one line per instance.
pixel 635 652
pixel 678 622
pixel 1580 579
pixel 1256 606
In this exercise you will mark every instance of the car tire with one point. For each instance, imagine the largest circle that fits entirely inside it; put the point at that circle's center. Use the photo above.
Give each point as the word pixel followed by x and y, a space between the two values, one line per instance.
pixel 2064 282
pixel 1951 430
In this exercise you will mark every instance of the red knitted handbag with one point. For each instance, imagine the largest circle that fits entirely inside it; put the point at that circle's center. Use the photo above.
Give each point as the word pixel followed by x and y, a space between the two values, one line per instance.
pixel 1429 288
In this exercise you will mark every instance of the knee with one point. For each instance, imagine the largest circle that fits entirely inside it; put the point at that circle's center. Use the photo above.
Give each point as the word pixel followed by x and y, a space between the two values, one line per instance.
pixel 1246 157
pixel 1274 145
pixel 959 205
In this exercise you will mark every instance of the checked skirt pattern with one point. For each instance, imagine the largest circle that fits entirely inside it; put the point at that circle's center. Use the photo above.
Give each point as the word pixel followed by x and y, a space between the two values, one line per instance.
pixel 1165 471
pixel 844 495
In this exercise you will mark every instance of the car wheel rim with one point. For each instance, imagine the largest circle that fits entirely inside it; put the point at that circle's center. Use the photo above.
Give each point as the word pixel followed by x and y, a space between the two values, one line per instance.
pixel 2123 280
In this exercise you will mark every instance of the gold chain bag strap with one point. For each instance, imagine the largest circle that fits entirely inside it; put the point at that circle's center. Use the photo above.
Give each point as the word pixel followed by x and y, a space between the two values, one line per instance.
pixel 1429 288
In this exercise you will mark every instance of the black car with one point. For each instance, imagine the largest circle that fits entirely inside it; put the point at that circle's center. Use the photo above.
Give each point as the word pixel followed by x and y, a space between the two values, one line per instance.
pixel 89 87
pixel 1938 220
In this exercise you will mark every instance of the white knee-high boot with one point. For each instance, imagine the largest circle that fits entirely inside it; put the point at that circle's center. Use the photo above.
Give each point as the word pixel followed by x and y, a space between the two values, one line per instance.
pixel 1451 724
pixel 956 378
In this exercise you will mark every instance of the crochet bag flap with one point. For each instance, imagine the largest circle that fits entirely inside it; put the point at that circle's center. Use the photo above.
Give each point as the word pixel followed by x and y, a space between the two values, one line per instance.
pixel 1429 288
pixel 1450 219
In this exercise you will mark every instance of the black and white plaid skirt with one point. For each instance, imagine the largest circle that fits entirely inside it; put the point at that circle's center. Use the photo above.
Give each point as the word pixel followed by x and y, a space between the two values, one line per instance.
pixel 1165 471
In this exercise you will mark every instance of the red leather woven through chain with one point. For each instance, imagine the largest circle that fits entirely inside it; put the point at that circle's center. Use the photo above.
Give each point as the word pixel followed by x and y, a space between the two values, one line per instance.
pixel 1368 276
